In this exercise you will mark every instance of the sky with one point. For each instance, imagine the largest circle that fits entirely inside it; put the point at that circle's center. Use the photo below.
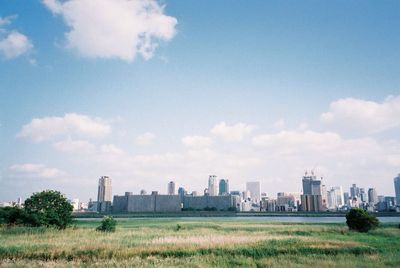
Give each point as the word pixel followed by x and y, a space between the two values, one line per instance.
pixel 149 91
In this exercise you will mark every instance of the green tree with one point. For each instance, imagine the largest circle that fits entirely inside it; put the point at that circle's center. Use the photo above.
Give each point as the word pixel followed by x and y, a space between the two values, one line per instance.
pixel 12 215
pixel 48 208
pixel 360 220
pixel 108 224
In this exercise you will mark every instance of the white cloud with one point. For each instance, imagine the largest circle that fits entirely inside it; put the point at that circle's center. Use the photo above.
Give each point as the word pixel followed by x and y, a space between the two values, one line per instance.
pixel 12 43
pixel 35 171
pixel 114 28
pixel 75 146
pixel 145 139
pixel 196 141
pixel 47 128
pixel 232 133
pixel 365 116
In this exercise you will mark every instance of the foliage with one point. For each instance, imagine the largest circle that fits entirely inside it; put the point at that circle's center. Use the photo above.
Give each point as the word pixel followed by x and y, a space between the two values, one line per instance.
pixel 108 224
pixel 12 215
pixel 178 227
pixel 360 220
pixel 48 208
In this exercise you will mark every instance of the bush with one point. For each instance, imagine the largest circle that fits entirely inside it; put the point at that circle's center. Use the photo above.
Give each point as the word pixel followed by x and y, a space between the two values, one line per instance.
pixel 48 208
pixel 108 224
pixel 360 220
pixel 12 215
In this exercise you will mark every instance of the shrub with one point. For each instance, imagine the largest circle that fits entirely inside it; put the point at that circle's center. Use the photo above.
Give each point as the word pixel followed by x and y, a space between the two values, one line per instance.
pixel 108 224
pixel 360 220
pixel 48 208
pixel 12 215
pixel 178 227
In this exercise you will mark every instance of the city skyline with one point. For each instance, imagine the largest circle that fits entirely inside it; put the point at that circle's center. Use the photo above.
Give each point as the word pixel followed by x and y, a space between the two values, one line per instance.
pixel 196 91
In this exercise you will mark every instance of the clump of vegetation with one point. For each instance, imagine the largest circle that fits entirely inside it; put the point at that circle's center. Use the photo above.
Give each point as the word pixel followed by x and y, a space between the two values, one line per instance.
pixel 108 224
pixel 360 220
pixel 48 208
pixel 178 227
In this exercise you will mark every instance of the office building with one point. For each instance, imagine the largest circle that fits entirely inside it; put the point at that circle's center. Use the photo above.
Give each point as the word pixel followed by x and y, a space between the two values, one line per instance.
pixel 212 185
pixel 254 188
pixel 311 199
pixel 372 196
pixel 223 187
pixel 397 189
pixel 363 195
pixel 354 191
pixel 171 188
pixel 104 190
pixel 335 198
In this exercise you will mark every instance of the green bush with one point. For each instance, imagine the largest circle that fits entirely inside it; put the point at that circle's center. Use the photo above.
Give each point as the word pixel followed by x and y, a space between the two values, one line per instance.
pixel 48 208
pixel 108 224
pixel 12 215
pixel 360 220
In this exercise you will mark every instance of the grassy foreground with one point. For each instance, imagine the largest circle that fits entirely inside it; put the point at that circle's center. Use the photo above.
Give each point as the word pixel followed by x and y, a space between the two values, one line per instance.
pixel 201 243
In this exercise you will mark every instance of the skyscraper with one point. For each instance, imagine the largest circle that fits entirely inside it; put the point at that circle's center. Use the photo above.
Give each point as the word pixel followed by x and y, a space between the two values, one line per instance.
pixel 223 187
pixel 397 189
pixel 212 185
pixel 104 191
pixel 254 187
pixel 354 191
pixel 372 196
pixel 311 199
pixel 171 188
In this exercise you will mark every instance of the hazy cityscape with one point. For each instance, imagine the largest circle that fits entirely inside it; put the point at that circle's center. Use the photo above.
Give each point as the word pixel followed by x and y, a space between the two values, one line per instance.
pixel 316 196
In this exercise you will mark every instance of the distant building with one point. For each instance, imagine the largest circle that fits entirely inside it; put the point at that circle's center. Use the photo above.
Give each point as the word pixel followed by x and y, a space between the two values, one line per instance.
pixel 208 202
pixel 143 192
pixel 254 188
pixel 397 189
pixel 311 199
pixel 146 203
pixel 212 185
pixel 354 191
pixel 335 197
pixel 346 198
pixel 372 196
pixel 104 190
pixel 104 194
pixel 171 188
pixel 363 195
pixel 223 187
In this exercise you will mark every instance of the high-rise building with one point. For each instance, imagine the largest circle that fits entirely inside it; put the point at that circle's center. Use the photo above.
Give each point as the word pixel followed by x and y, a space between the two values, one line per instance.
pixel 212 185
pixel 346 198
pixel 254 187
pixel 311 199
pixel 354 191
pixel 104 191
pixel 397 189
pixel 171 188
pixel 335 197
pixel 181 192
pixel 372 196
pixel 223 187
pixel 363 195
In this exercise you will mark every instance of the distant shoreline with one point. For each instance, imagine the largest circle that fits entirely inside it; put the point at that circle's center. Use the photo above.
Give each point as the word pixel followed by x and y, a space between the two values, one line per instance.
pixel 221 214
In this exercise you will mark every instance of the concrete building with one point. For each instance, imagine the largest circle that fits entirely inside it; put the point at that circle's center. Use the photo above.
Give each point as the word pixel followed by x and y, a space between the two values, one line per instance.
pixel 363 195
pixel 311 199
pixel 223 187
pixel 354 191
pixel 254 188
pixel 397 189
pixel 171 188
pixel 221 202
pixel 146 203
pixel 212 185
pixel 335 197
pixel 372 196
pixel 181 193
pixel 104 194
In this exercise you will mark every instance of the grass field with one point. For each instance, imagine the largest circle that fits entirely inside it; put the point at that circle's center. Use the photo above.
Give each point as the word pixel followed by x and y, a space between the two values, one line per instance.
pixel 201 243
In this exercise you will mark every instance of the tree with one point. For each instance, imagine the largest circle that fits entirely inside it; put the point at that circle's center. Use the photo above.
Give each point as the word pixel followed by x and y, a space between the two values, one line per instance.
pixel 360 220
pixel 48 208
pixel 12 215
pixel 108 224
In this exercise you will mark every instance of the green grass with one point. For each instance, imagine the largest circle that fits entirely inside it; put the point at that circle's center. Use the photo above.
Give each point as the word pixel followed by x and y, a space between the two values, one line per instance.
pixel 200 243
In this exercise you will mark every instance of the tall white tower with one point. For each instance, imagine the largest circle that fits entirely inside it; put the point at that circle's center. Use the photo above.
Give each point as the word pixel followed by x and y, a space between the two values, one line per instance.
pixel 171 188
pixel 104 191
pixel 254 187
pixel 212 185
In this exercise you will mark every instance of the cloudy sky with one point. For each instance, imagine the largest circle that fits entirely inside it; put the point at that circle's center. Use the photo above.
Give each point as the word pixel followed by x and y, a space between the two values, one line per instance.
pixel 149 91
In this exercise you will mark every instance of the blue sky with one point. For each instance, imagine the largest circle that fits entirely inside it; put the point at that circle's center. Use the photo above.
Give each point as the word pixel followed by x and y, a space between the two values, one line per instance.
pixel 268 69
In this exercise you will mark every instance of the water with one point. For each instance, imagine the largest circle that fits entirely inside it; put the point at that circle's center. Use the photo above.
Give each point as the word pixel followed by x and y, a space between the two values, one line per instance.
pixel 293 219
